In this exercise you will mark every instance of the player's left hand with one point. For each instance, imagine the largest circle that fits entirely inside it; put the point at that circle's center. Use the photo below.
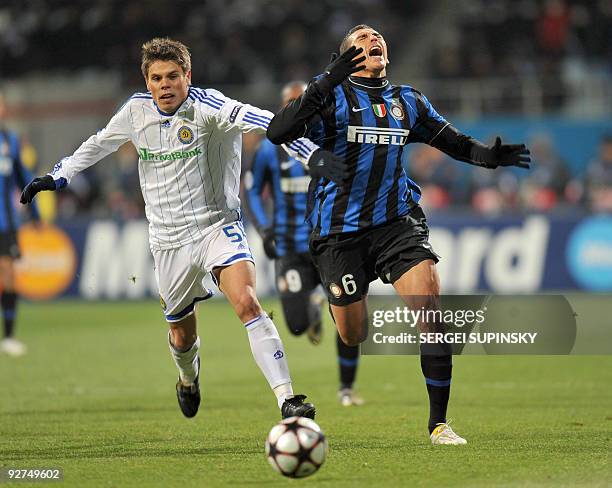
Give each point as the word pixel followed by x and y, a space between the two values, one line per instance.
pixel 325 164
pixel 508 155
pixel 33 187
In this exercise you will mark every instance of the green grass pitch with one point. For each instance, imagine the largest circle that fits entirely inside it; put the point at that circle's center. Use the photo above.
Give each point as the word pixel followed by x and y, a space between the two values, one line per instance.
pixel 95 396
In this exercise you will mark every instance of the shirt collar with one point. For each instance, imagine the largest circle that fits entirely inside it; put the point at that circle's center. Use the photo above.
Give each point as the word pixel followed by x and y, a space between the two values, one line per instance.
pixel 369 82
pixel 184 109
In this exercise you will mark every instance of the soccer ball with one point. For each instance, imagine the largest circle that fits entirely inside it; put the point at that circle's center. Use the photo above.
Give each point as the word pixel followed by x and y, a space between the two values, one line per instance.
pixel 296 447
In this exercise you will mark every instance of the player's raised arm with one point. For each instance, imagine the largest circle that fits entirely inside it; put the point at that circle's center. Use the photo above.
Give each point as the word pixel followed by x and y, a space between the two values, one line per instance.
pixel 292 120
pixel 233 114
pixel 106 141
pixel 434 130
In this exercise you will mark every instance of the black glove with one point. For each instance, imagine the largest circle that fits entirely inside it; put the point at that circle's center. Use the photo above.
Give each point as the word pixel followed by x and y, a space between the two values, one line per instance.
pixel 501 155
pixel 339 68
pixel 33 187
pixel 269 244
pixel 324 164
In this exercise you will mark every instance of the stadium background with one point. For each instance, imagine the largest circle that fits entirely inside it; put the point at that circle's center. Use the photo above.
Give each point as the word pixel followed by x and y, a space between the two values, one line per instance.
pixel 95 393
pixel 533 71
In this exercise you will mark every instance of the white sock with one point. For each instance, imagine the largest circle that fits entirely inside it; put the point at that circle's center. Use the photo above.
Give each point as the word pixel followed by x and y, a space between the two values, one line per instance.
pixel 283 392
pixel 269 354
pixel 186 361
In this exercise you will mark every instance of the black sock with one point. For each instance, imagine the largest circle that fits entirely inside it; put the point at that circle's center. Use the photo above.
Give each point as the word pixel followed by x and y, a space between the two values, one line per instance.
pixel 348 360
pixel 9 304
pixel 437 370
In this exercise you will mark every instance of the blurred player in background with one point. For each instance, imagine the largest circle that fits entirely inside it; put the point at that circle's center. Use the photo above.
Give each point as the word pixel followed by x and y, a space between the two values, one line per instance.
pixel 285 240
pixel 189 144
pixel 369 223
pixel 13 174
pixel 599 178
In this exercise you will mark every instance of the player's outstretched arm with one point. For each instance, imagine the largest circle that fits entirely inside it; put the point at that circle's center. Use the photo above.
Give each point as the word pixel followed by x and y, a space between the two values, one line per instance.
pixel 109 139
pixel 467 149
pixel 433 129
pixel 291 121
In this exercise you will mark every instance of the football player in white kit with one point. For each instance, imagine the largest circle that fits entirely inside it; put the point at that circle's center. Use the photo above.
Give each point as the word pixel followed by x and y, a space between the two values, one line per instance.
pixel 189 145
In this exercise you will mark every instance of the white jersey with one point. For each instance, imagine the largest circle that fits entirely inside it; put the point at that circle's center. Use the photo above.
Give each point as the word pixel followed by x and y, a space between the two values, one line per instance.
pixel 189 162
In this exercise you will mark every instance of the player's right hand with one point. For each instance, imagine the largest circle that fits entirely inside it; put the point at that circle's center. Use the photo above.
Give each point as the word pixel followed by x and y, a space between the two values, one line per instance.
pixel 341 67
pixel 33 187
pixel 325 164
pixel 269 244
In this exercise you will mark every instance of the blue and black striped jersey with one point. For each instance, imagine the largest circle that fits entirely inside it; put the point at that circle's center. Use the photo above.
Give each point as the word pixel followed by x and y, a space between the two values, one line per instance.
pixel 370 127
pixel 12 174
pixel 288 180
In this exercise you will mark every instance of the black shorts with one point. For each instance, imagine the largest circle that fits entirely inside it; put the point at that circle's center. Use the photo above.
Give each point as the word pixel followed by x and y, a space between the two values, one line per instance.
pixel 348 263
pixel 8 244
pixel 295 273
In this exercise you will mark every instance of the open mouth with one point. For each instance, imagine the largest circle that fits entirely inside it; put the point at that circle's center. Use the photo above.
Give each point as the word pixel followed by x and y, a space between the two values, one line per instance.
pixel 375 51
pixel 166 96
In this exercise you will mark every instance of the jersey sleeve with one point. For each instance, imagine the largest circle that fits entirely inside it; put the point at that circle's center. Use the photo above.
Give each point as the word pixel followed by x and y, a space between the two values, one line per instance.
pixel 246 118
pixel 255 183
pixel 293 120
pixel 117 132
pixel 428 122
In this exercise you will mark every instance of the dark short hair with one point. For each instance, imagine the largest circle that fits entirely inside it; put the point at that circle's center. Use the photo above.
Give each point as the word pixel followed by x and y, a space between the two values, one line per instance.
pixel 164 49
pixel 344 45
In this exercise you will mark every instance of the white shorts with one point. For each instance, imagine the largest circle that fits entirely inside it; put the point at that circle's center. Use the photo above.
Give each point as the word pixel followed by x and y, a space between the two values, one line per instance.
pixel 180 272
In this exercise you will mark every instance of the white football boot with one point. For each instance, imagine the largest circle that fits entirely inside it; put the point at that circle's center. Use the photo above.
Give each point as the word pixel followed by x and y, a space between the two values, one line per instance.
pixel 12 347
pixel 349 398
pixel 444 435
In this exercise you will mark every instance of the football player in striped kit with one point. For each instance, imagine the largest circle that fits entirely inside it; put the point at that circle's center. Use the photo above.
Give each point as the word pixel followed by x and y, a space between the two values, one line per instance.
pixel 285 240
pixel 13 174
pixel 371 225
pixel 189 145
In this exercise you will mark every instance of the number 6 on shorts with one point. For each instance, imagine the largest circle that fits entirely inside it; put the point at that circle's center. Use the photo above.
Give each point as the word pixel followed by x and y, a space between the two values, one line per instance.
pixel 349 285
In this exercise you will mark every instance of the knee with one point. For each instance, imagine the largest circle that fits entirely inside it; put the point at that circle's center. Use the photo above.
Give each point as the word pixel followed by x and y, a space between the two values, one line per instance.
pixel 351 339
pixel 353 335
pixel 247 307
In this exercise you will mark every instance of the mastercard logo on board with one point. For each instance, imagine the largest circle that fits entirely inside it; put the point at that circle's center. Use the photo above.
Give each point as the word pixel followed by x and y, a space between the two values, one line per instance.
pixel 48 262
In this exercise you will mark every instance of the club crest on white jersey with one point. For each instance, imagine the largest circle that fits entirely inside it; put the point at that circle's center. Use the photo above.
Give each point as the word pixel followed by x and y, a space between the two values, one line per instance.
pixel 185 135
